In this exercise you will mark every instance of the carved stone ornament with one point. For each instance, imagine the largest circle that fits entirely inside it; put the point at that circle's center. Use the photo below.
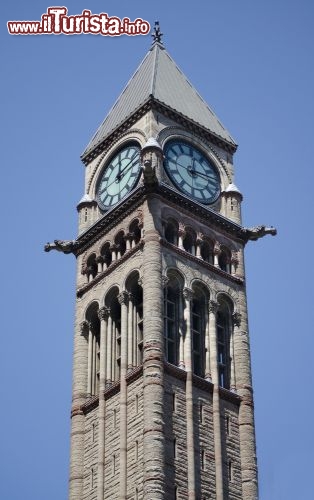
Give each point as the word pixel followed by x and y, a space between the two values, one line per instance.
pixel 84 328
pixel 235 257
pixel 213 306
pixel 254 233
pixel 103 313
pixel 164 281
pixel 236 318
pixel 123 297
pixel 217 248
pixel 64 246
pixel 188 294
pixel 181 230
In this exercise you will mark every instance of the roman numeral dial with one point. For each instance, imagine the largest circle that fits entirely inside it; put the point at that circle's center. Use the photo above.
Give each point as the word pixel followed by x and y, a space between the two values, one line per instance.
pixel 120 176
pixel 192 172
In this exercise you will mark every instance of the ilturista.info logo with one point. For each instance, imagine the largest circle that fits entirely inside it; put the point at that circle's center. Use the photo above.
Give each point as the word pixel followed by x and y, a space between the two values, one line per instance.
pixel 57 22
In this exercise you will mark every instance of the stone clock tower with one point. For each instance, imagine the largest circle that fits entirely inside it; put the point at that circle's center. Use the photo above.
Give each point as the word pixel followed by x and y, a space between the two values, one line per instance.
pixel 162 392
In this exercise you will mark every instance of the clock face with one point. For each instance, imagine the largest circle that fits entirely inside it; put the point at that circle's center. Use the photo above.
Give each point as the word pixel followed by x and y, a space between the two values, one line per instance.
pixel 120 176
pixel 192 172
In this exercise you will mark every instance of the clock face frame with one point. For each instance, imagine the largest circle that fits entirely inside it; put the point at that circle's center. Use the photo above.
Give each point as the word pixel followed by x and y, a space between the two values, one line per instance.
pixel 191 171
pixel 119 177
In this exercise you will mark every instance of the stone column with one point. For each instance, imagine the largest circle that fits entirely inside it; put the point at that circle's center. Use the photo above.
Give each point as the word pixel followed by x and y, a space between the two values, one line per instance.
pixel 213 307
pixel 123 300
pixel 234 263
pixel 246 410
pixel 199 243
pixel 77 416
pixel 90 360
pixel 130 333
pixel 109 352
pixel 103 314
pixel 100 262
pixel 153 363
pixel 181 234
pixel 208 375
pixel 188 297
pixel 216 252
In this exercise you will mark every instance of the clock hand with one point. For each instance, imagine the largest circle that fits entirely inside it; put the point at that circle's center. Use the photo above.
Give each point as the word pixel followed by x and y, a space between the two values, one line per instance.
pixel 191 169
pixel 121 172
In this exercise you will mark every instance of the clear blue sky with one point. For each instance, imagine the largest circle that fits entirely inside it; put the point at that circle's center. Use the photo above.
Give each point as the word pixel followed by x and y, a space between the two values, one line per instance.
pixel 253 63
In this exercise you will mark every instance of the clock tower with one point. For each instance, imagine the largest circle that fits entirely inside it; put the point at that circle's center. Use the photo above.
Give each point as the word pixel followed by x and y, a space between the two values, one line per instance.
pixel 162 404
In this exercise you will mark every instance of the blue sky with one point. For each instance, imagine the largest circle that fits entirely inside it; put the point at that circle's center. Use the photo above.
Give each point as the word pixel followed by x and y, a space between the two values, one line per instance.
pixel 253 63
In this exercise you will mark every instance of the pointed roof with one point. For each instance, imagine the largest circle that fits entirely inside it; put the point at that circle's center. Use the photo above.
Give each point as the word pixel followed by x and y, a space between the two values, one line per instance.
pixel 158 78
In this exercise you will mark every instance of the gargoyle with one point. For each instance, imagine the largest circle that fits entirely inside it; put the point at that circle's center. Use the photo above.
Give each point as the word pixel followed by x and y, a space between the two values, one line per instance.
pixel 65 246
pixel 254 233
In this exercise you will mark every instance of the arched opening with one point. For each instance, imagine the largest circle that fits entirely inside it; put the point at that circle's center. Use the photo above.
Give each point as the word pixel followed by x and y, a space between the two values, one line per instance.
pixel 113 336
pixel 135 321
pixel 91 266
pixel 224 337
pixel 120 244
pixel 189 241
pixel 199 320
pixel 135 231
pixel 173 311
pixel 171 231
pixel 207 253
pixel 224 260
pixel 106 254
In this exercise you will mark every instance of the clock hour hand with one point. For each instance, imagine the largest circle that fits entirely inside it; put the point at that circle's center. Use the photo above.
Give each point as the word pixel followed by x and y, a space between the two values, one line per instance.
pixel 191 169
pixel 128 165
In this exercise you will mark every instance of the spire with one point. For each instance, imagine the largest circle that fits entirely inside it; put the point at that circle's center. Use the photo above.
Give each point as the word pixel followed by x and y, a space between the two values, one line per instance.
pixel 157 34
pixel 158 82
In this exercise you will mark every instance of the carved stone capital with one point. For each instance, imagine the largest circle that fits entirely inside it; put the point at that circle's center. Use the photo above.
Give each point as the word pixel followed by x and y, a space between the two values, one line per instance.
pixel 123 298
pixel 181 230
pixel 103 313
pixel 235 257
pixel 236 318
pixel 99 259
pixel 213 306
pixel 84 328
pixel 188 294
pixel 164 281
pixel 140 282
pixel 217 248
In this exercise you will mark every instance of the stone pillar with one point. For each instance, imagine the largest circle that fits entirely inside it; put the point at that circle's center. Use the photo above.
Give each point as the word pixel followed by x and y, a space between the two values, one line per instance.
pixel 123 300
pixel 216 252
pixel 103 314
pixel 131 333
pixel 181 234
pixel 188 297
pixel 90 361
pixel 213 307
pixel 246 410
pixel 199 243
pixel 153 363
pixel 100 262
pixel 234 263
pixel 77 416
pixel 109 352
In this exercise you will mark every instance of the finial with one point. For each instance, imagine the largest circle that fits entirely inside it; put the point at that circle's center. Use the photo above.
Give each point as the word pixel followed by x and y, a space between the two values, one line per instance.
pixel 157 34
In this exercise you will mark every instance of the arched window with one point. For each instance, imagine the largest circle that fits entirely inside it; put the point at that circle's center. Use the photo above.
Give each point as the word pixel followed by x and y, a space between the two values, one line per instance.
pixel 224 260
pixel 135 230
pixel 113 336
pixel 135 321
pixel 171 231
pixel 207 251
pixel 91 266
pixel 93 349
pixel 172 318
pixel 199 319
pixel 120 244
pixel 223 344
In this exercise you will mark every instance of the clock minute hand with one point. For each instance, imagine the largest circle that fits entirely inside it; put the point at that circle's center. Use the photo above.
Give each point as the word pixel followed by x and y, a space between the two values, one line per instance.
pixel 130 164
pixel 191 169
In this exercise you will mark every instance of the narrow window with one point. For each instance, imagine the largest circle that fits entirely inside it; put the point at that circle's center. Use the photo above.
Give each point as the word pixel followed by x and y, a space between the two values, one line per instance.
pixel 85 215
pixel 230 471
pixel 176 493
pixel 174 401
pixel 198 336
pixel 171 325
pixel 202 413
pixel 203 459
pixel 114 418
pixel 227 425
pixel 136 404
pixel 223 348
pixel 113 465
pixel 92 478
pixel 174 445
pixel 136 451
pixel 136 494
pixel 93 433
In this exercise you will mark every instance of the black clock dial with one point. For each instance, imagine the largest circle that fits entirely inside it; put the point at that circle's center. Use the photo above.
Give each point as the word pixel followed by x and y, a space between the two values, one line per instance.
pixel 120 176
pixel 191 171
